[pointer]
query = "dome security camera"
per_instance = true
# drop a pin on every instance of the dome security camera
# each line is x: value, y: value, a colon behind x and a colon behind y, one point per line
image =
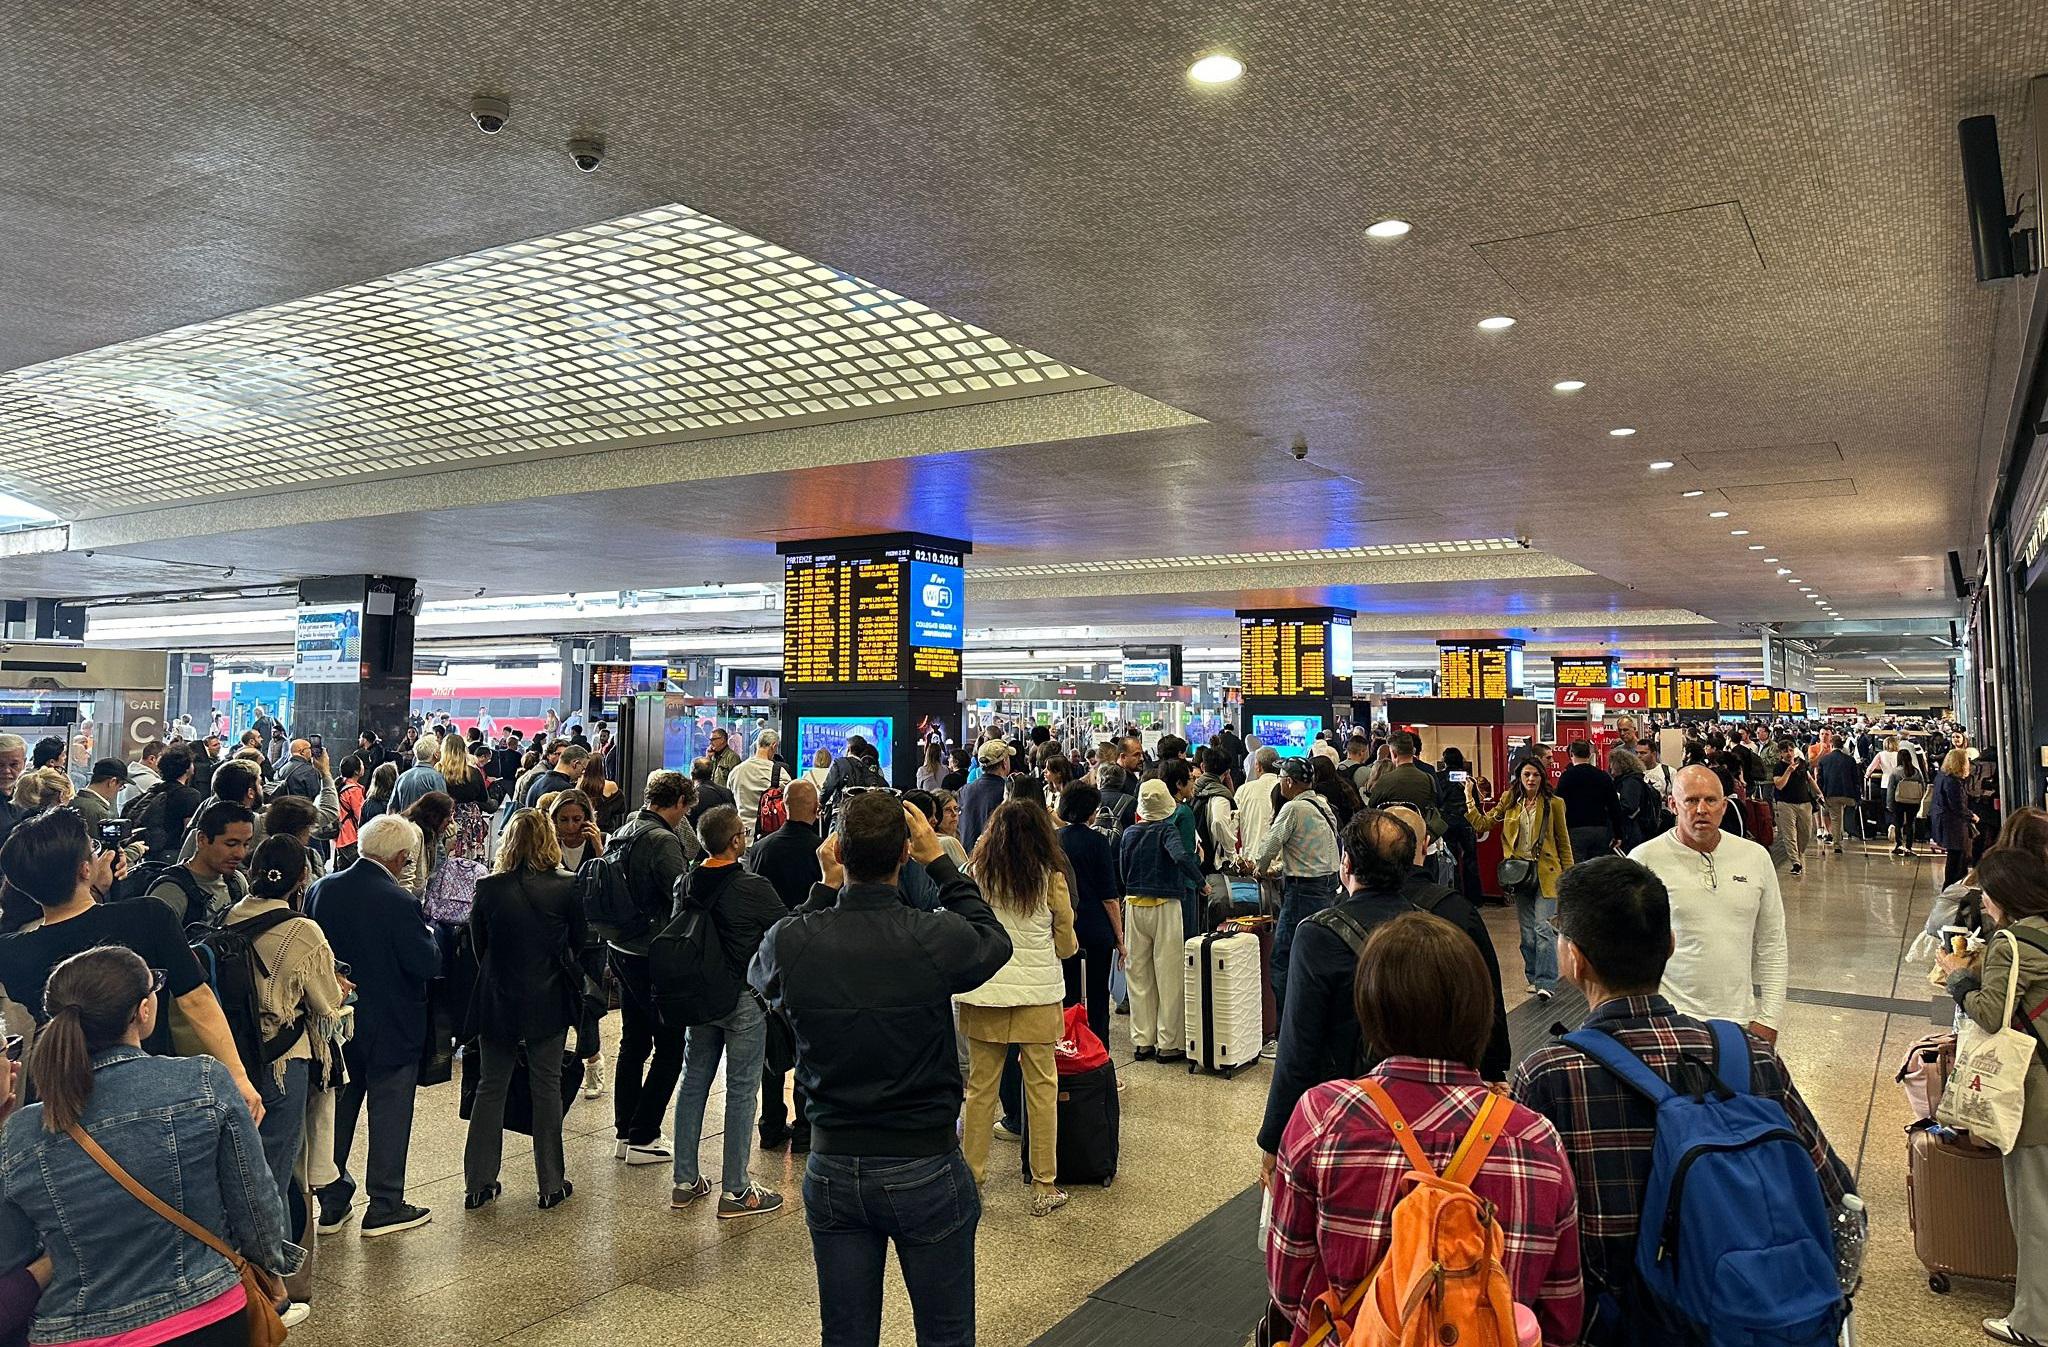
x: 489, y: 114
x: 586, y: 155
x: 1300, y: 447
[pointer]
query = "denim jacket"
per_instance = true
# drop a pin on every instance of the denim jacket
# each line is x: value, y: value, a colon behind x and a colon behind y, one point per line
x: 1156, y: 864
x: 180, y: 1128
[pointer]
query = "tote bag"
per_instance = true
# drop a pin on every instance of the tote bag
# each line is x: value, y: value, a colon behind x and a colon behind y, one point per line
x: 1986, y: 1093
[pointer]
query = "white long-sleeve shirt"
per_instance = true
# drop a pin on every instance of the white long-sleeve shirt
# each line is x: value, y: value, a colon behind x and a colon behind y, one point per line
x: 1254, y: 812
x: 1728, y: 927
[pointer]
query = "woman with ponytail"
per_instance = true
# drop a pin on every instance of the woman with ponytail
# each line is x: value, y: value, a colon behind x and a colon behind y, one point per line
x: 178, y: 1128
x: 298, y: 994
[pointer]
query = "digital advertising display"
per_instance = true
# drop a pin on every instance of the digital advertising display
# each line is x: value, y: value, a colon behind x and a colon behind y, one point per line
x: 832, y: 733
x: 1340, y: 647
x: 1290, y: 736
x: 327, y: 646
x: 1147, y: 673
x: 935, y: 606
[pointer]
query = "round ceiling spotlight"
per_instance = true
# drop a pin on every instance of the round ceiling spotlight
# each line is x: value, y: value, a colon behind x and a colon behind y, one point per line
x: 1567, y: 385
x: 1622, y: 432
x: 1388, y: 229
x: 1500, y: 322
x: 1662, y: 464
x: 1216, y: 68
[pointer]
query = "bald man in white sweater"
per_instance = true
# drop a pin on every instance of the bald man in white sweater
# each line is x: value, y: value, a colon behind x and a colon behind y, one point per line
x: 1727, y: 915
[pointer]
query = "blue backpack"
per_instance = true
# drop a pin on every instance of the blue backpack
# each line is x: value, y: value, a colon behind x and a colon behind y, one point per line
x: 1736, y: 1247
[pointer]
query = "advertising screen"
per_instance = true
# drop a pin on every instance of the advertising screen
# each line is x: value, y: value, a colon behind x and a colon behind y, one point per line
x: 1340, y: 648
x: 832, y: 732
x: 1290, y: 735
x: 1148, y: 673
x: 328, y: 645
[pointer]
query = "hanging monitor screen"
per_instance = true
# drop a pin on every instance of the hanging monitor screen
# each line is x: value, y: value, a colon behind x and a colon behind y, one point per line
x: 1657, y: 687
x: 1735, y: 698
x: 1291, y: 736
x: 1695, y: 693
x: 1491, y: 672
x: 1584, y: 673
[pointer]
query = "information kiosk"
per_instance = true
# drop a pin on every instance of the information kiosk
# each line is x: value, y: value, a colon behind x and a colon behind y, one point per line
x: 872, y: 633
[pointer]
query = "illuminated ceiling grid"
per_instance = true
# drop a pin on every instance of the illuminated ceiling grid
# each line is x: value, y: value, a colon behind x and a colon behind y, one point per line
x: 666, y: 323
x: 1378, y: 552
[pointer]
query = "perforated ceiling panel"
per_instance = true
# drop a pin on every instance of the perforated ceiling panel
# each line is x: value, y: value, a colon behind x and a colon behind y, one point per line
x: 666, y: 324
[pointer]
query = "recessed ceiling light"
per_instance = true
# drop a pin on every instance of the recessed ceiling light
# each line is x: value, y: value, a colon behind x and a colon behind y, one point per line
x: 1388, y: 229
x: 1622, y: 432
x: 1567, y: 385
x: 1738, y: 533
x: 1772, y: 561
x: 1756, y: 547
x: 1783, y: 570
x: 1690, y: 494
x: 1717, y: 514
x: 1216, y: 68
x: 1499, y: 322
x: 1661, y: 464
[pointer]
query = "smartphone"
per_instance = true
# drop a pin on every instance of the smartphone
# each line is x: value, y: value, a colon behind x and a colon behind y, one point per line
x: 1458, y: 778
x: 316, y: 741
x: 112, y: 833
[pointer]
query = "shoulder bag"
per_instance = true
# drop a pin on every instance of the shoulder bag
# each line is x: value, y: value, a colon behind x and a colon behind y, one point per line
x: 263, y: 1287
x: 1517, y: 874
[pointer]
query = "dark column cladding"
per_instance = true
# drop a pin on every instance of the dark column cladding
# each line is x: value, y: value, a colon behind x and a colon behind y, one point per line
x: 379, y: 697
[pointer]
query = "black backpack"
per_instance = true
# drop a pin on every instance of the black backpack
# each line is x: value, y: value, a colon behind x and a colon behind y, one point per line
x: 1111, y: 819
x: 228, y: 960
x: 198, y: 900
x: 687, y: 970
x: 149, y: 822
x: 604, y: 888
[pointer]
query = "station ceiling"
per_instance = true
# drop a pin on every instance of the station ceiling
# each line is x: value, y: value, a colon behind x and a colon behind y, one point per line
x: 273, y: 303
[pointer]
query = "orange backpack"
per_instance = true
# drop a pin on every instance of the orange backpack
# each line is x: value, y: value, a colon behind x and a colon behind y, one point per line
x: 1441, y: 1281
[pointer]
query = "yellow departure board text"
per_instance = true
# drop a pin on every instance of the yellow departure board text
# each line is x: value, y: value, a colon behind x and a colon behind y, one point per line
x: 1583, y: 673
x: 1657, y: 686
x: 1735, y: 697
x: 852, y: 617
x: 1457, y: 672
x: 1695, y: 693
x: 1283, y: 657
x: 1760, y: 697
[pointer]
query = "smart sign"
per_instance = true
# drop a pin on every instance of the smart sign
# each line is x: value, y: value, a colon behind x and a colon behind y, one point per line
x: 871, y: 613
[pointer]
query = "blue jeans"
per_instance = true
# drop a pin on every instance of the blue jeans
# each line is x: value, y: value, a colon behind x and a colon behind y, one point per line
x: 284, y: 1125
x: 1301, y: 897
x: 856, y: 1205
x: 742, y: 1036
x: 1539, y: 940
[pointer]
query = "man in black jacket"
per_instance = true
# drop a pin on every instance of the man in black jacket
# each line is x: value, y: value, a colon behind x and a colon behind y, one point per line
x: 742, y: 906
x: 788, y: 859
x: 1319, y: 1035
x: 868, y: 983
x: 1433, y: 898
x: 1592, y: 806
x: 659, y: 846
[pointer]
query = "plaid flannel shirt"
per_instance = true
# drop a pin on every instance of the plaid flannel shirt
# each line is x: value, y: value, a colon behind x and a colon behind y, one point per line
x: 1608, y: 1129
x: 1340, y: 1172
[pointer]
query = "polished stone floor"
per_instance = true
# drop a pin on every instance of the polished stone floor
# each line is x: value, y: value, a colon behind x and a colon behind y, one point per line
x: 615, y: 1265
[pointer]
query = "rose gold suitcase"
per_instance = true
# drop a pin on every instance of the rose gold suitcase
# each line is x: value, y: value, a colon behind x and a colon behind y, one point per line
x: 1955, y: 1202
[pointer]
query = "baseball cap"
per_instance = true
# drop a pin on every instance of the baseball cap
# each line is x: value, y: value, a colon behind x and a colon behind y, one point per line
x: 993, y: 752
x: 1297, y: 770
x: 110, y: 769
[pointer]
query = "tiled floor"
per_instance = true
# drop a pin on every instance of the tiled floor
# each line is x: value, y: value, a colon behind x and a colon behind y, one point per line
x: 615, y: 1265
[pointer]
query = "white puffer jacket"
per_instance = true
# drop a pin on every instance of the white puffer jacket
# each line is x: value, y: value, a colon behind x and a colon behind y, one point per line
x: 1032, y: 977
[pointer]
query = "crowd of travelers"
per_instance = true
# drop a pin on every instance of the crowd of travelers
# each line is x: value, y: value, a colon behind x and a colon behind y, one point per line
x: 268, y: 944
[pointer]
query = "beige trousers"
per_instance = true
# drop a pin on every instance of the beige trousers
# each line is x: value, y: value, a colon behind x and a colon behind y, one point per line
x: 1041, y: 1106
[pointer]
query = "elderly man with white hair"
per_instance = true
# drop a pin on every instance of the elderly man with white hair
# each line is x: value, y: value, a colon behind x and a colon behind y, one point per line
x: 1727, y: 915
x: 377, y: 929
x: 420, y: 778
x: 755, y: 777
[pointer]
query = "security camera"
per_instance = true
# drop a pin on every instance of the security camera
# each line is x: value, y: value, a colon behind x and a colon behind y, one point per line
x: 1300, y: 447
x: 489, y: 114
x: 586, y: 154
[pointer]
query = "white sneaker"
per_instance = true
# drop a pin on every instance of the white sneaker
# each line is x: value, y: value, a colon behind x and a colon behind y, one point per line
x: 2003, y: 1330
x: 294, y: 1314
x: 593, y: 1077
x: 655, y: 1152
x: 1271, y: 1050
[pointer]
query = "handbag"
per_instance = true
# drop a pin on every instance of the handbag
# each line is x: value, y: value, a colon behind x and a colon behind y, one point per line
x: 262, y: 1286
x: 519, y: 1091
x: 451, y: 892
x: 1517, y: 874
x: 1986, y: 1093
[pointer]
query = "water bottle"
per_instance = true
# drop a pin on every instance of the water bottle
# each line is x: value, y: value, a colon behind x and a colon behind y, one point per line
x: 1852, y: 1233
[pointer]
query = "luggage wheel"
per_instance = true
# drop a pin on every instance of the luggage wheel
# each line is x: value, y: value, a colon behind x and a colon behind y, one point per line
x: 1938, y: 1283
x: 1108, y: 1181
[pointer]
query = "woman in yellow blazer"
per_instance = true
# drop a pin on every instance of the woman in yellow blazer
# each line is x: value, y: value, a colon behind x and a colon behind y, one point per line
x: 1533, y: 838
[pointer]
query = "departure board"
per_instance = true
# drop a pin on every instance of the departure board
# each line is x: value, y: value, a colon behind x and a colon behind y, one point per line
x: 1657, y: 685
x: 1483, y: 672
x: 868, y: 614
x: 1735, y: 698
x: 1798, y: 707
x: 1760, y: 697
x: 1584, y: 673
x: 1695, y: 693
x: 1781, y: 701
x: 1281, y: 656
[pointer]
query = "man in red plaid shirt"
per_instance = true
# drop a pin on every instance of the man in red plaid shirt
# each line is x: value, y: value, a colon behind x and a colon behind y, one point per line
x: 1614, y: 936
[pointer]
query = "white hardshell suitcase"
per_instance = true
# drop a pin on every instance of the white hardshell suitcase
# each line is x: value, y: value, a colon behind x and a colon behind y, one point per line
x: 1225, y: 1027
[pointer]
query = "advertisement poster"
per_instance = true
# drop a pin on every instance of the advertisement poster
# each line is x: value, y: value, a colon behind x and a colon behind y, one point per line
x: 329, y: 645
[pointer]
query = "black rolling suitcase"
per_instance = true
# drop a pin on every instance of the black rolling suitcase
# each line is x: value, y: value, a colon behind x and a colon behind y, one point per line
x: 1090, y: 1120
